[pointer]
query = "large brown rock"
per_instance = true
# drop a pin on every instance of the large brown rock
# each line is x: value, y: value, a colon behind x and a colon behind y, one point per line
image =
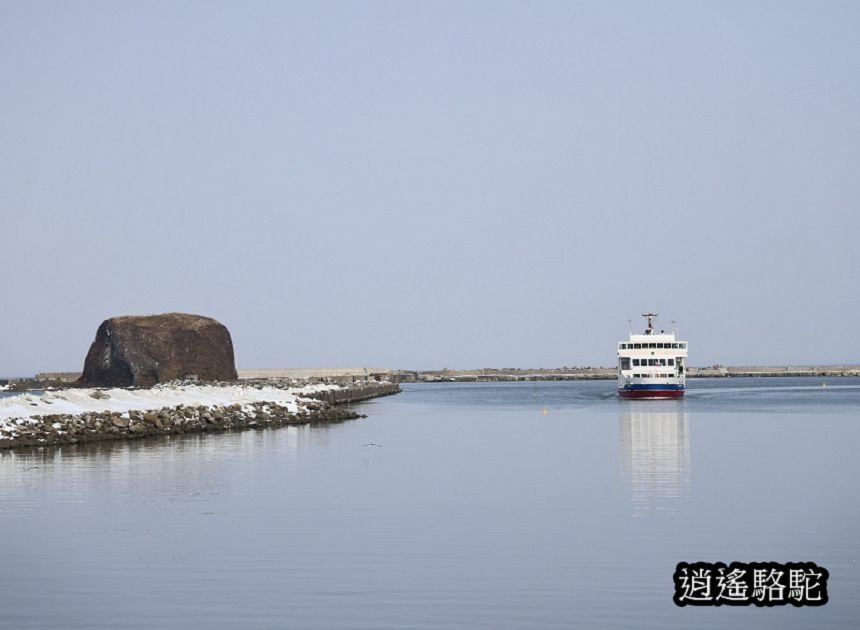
x: 142, y: 351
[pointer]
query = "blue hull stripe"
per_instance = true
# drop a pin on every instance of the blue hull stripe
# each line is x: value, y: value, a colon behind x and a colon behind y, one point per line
x: 664, y: 387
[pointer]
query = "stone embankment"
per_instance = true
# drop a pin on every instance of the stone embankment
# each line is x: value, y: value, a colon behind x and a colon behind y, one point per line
x: 596, y: 373
x: 491, y: 375
x: 315, y: 407
x: 355, y: 393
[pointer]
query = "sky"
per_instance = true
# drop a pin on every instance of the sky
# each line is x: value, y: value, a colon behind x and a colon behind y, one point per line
x: 419, y: 185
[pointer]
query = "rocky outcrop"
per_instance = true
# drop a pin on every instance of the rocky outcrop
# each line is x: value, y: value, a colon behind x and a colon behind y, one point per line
x: 142, y: 351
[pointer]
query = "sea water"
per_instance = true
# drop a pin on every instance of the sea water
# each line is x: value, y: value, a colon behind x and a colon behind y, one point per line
x: 497, y: 505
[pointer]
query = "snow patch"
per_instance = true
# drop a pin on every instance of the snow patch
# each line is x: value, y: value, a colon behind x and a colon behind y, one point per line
x: 21, y: 409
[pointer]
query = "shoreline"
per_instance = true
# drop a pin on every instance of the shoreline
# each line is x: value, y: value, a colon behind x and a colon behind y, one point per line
x: 98, y: 415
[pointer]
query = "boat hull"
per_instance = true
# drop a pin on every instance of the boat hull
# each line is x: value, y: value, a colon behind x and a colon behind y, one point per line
x: 651, y: 391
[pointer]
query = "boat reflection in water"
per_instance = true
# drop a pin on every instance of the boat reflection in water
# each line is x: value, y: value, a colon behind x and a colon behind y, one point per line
x: 655, y: 455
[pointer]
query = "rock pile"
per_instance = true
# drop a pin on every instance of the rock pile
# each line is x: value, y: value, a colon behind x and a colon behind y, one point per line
x: 314, y: 408
x: 94, y: 426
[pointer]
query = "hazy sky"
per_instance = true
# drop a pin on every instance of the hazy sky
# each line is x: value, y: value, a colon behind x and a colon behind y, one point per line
x: 432, y: 184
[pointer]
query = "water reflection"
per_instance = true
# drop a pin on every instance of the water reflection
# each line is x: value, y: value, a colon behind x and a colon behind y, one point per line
x: 655, y: 454
x: 178, y: 470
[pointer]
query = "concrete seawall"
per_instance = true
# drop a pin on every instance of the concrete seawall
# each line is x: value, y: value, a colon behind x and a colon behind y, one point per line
x: 773, y: 370
x: 355, y: 393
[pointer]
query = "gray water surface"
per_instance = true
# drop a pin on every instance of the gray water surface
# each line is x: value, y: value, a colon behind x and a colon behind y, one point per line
x: 504, y: 505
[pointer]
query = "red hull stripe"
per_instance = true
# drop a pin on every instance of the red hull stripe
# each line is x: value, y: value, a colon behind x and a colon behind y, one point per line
x: 651, y: 393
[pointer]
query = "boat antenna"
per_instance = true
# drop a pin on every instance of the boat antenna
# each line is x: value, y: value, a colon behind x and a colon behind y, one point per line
x: 650, y: 316
x: 674, y: 331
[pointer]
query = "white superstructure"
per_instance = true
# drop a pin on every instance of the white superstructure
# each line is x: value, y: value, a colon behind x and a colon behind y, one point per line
x: 652, y: 365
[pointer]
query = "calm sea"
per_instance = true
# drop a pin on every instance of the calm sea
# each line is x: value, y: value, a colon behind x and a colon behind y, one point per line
x: 548, y: 505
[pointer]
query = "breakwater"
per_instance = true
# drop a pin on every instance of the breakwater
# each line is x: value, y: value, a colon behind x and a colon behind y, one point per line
x: 489, y: 375
x: 354, y: 393
x: 305, y: 407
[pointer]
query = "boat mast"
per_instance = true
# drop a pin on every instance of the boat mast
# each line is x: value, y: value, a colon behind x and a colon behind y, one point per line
x: 650, y: 316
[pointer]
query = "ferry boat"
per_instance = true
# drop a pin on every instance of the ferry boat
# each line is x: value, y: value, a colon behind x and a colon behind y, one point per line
x: 652, y: 365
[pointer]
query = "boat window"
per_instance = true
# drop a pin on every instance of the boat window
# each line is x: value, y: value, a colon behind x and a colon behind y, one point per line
x: 652, y: 345
x: 671, y: 361
x: 659, y: 345
x: 674, y: 345
x: 625, y: 363
x: 683, y: 345
x: 637, y: 346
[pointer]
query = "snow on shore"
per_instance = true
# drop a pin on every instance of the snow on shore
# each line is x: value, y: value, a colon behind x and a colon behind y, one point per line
x: 78, y: 401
